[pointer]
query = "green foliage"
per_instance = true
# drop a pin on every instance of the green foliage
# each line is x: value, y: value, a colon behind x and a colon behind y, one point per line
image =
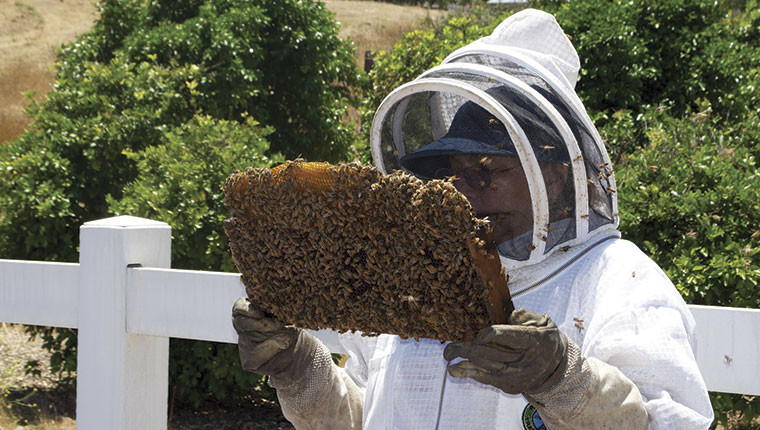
x: 689, y: 199
x: 673, y: 52
x: 180, y: 182
x: 416, y: 52
x: 151, y: 110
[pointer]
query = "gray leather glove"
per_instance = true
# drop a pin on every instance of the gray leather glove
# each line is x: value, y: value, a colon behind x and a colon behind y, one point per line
x: 266, y: 345
x: 528, y: 355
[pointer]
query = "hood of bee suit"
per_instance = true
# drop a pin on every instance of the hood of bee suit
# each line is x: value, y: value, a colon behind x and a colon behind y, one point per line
x: 510, y: 94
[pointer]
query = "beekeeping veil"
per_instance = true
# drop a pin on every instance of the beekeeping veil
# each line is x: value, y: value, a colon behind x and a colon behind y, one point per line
x: 510, y: 94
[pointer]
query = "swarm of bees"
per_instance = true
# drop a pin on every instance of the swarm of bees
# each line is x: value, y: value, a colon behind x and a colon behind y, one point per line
x: 346, y: 248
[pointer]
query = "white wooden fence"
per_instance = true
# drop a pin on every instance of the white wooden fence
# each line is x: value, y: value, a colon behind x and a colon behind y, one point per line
x: 127, y: 303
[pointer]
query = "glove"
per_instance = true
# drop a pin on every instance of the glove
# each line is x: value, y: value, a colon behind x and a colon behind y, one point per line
x: 267, y: 346
x: 528, y: 355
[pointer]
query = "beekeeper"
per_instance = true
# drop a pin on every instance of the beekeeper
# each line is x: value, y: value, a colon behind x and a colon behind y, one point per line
x: 601, y: 338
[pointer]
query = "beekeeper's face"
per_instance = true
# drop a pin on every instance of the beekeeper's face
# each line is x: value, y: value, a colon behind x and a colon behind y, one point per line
x: 495, y: 187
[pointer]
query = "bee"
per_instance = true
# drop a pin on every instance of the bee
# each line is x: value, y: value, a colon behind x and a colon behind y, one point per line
x: 584, y: 216
x: 590, y: 181
x: 484, y: 161
x: 492, y: 186
x: 579, y: 326
x: 633, y: 274
x: 500, y: 145
x: 610, y: 189
x: 577, y: 158
x: 603, y: 165
x: 565, y: 164
x: 492, y: 121
x: 531, y: 247
x: 600, y: 175
x: 547, y: 148
x: 565, y: 248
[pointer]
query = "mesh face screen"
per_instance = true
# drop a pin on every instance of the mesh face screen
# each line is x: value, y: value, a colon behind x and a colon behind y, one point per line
x: 427, y: 110
x: 599, y: 187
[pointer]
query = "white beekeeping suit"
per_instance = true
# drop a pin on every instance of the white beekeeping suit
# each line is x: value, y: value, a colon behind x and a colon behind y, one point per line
x: 509, y: 98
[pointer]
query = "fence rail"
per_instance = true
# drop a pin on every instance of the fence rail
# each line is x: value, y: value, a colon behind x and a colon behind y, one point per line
x: 127, y: 303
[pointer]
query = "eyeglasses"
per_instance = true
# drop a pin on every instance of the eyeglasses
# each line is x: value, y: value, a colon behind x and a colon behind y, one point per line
x: 475, y: 176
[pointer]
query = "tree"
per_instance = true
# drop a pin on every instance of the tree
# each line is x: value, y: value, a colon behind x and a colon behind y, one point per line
x: 173, y: 95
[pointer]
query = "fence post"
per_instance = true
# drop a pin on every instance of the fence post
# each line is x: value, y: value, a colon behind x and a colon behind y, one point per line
x: 122, y: 379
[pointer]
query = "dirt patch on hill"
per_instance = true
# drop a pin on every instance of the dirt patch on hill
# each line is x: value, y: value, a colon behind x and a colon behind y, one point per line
x: 376, y: 26
x: 30, y: 33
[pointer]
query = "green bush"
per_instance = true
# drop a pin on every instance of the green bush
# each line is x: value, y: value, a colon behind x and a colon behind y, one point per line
x: 689, y: 199
x: 153, y: 79
x: 673, y: 52
x: 180, y: 182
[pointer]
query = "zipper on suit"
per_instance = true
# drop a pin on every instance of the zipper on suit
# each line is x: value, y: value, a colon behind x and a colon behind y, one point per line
x: 443, y: 390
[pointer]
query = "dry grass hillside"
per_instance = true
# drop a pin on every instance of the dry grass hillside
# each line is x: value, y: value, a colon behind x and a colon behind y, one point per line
x: 31, y: 30
x: 375, y: 26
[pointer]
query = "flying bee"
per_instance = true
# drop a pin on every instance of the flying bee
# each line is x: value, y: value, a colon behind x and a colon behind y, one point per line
x: 547, y: 148
x: 579, y: 326
x: 584, y: 216
x: 492, y: 121
x: 577, y: 158
x: 590, y: 181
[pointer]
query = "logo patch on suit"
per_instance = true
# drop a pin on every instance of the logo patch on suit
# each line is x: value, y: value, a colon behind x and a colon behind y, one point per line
x: 531, y: 419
